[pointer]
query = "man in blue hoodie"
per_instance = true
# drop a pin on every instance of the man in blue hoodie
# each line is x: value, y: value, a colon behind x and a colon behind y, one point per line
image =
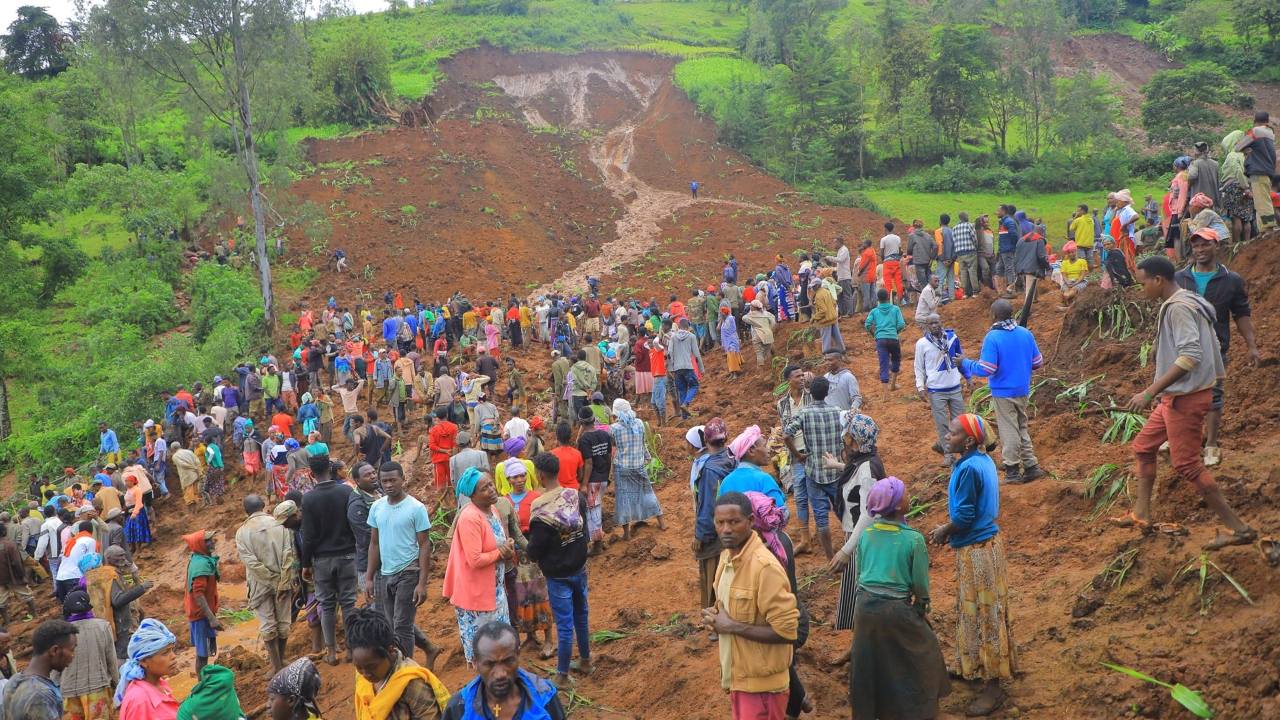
x: 1009, y: 354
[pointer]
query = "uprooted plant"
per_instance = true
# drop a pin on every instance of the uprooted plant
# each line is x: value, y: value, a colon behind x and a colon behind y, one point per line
x: 1112, y: 575
x: 1106, y: 485
x: 1124, y: 426
x: 1188, y: 698
x: 1202, y: 564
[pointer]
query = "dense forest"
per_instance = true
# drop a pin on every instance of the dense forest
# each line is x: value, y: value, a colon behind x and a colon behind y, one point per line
x: 140, y: 124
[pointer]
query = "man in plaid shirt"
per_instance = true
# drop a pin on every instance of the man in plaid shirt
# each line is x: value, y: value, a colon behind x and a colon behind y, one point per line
x: 965, y: 237
x: 820, y: 425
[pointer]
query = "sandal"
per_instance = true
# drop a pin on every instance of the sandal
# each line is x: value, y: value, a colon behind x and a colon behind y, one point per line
x: 1129, y: 520
x: 1171, y: 529
x: 575, y: 665
x: 1270, y: 548
x: 1227, y: 538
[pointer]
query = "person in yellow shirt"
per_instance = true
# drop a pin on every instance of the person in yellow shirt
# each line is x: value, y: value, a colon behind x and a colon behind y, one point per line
x: 1083, y: 231
x: 1070, y: 274
x: 469, y: 321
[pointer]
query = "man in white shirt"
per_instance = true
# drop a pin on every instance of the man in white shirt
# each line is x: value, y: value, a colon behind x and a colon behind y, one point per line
x: 516, y: 427
x: 927, y: 304
x: 69, y: 573
x: 938, y: 378
x: 844, y: 276
x: 160, y: 464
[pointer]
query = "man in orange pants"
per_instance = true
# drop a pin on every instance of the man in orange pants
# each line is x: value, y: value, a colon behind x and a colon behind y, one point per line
x: 891, y: 259
x: 442, y: 440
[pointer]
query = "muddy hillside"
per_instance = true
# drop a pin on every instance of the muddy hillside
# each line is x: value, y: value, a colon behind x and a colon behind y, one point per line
x: 543, y: 169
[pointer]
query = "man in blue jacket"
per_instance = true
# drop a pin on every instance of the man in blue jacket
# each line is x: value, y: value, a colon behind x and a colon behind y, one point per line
x: 1009, y: 354
x: 501, y: 682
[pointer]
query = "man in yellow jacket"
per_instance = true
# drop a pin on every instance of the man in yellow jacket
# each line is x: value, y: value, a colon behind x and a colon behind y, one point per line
x: 825, y: 317
x: 756, y: 617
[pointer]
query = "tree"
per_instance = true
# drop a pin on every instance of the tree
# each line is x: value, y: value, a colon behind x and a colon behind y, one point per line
x: 758, y: 43
x: 1178, y: 108
x: 957, y: 71
x: 903, y: 55
x: 351, y: 75
x: 1089, y: 109
x: 1035, y: 28
x: 234, y: 57
x: 1250, y: 15
x: 1000, y: 99
x: 33, y: 47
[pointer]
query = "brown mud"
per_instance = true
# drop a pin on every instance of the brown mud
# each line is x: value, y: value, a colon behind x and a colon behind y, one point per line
x: 624, y: 146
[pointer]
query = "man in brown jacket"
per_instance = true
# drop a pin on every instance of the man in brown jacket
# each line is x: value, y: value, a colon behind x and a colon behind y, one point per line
x: 825, y: 317
x: 756, y: 616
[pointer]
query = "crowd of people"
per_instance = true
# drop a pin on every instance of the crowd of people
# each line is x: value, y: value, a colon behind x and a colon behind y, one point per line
x: 518, y: 493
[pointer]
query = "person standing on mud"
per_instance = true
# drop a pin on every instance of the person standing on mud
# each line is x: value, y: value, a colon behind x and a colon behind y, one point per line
x: 819, y: 424
x: 938, y: 378
x: 329, y: 552
x: 826, y: 317
x: 757, y: 629
x: 1188, y: 366
x: 1009, y: 354
x: 1225, y: 290
x: 266, y: 549
x: 844, y: 276
x: 693, y: 188
x: 684, y: 357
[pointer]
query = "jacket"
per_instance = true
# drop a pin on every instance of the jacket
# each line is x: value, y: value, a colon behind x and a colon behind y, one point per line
x: 885, y: 320
x: 759, y: 594
x: 1202, y: 177
x: 683, y: 352
x: 705, y: 491
x: 938, y: 371
x: 1030, y: 256
x: 824, y: 309
x: 1007, y: 359
x: 1262, y: 159
x: 470, y: 581
x: 266, y: 549
x: 558, y: 555
x: 1226, y: 293
x: 585, y: 378
x: 1185, y: 337
x: 358, y: 518
x: 325, y: 531
x: 536, y: 695
x: 921, y: 248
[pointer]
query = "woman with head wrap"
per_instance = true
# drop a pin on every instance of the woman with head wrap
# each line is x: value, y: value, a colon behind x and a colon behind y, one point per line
x: 526, y: 586
x: 1236, y: 206
x: 298, y: 468
x: 514, y: 448
x: 315, y: 443
x: 478, y: 556
x: 985, y: 648
x: 308, y: 414
x: 86, y: 684
x: 897, y: 670
x: 291, y: 694
x: 634, y: 500
x: 137, y: 529
x: 729, y: 340
x: 751, y: 450
x: 490, y: 429
x: 143, y: 692
x: 860, y: 468
x: 768, y: 519
x: 1177, y: 206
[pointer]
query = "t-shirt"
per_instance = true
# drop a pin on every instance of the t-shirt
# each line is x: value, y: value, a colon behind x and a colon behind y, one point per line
x: 596, y: 445
x: 398, y: 527
x: 1202, y: 280
x: 658, y: 362
x: 1128, y: 216
x: 516, y: 427
x: 868, y: 262
x: 570, y: 463
x: 1083, y: 229
x: 891, y: 246
x: 1073, y: 270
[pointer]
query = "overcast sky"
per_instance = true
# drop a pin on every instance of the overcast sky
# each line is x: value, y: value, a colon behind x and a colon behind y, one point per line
x: 65, y: 9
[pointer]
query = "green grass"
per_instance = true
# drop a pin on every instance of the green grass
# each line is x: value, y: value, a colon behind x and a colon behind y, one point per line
x: 1055, y: 208
x: 706, y: 73
x: 413, y: 85
x: 92, y: 229
x: 692, y: 23
x: 323, y: 132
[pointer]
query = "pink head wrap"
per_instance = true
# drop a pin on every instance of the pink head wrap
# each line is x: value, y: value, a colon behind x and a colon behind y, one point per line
x: 767, y: 518
x: 743, y: 442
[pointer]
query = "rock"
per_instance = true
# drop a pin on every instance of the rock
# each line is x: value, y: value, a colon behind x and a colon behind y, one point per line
x: 1263, y: 685
x: 1013, y: 712
x: 1086, y: 605
x: 1084, y: 623
x: 661, y: 551
x: 630, y: 617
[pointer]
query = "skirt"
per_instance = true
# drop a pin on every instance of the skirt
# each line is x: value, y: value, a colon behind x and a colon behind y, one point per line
x: 96, y: 705
x: 138, y: 529
x: 215, y: 484
x: 896, y: 670
x: 734, y: 360
x: 984, y: 640
x: 533, y: 607
x: 595, y: 510
x: 252, y: 463
x: 644, y: 382
x: 490, y: 437
x: 633, y: 498
x: 469, y: 621
x: 1234, y: 203
x: 279, y: 479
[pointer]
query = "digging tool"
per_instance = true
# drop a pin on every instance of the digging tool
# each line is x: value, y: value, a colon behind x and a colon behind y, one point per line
x: 1024, y: 316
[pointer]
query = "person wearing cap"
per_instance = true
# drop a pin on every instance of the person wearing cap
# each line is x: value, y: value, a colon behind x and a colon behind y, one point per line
x: 1225, y: 290
x: 1188, y: 363
x: 1260, y: 166
x: 1202, y: 175
x: 825, y: 317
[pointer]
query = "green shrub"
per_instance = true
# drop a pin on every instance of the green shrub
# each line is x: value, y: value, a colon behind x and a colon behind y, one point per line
x: 221, y: 294
x: 124, y: 291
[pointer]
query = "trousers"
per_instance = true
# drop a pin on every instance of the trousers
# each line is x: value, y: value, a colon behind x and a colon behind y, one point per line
x: 568, y: 597
x: 686, y: 386
x: 969, y: 279
x: 889, y: 351
x: 336, y: 585
x: 848, y: 302
x: 1180, y: 420
x: 1015, y: 441
x: 945, y: 406
x: 831, y: 339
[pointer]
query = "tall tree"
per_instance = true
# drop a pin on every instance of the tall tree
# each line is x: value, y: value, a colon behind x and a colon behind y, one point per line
x: 1089, y: 109
x: 1178, y: 109
x: 1036, y: 29
x: 957, y: 70
x: 233, y: 57
x: 33, y: 47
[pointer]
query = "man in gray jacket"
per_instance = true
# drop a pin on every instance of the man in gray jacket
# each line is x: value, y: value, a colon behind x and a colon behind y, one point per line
x: 923, y: 249
x: 1188, y: 364
x: 682, y: 354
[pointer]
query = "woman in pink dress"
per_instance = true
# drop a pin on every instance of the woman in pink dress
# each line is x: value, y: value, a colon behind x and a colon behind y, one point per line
x: 492, y: 336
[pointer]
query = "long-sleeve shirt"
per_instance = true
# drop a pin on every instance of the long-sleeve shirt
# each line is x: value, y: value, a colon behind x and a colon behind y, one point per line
x: 885, y: 320
x: 350, y: 397
x: 937, y: 370
x: 1185, y: 337
x: 108, y: 443
x: 325, y: 531
x: 683, y: 352
x: 94, y: 666
x: 748, y: 477
x: 844, y: 393
x: 965, y: 238
x: 1007, y: 359
x: 266, y: 549
x: 973, y: 499
x: 823, y: 433
x: 706, y: 488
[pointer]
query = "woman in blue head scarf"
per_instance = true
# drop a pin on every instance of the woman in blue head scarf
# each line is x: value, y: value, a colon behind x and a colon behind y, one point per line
x: 143, y: 692
x: 478, y: 557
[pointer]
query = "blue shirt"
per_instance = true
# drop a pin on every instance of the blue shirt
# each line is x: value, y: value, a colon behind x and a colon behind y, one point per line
x: 413, y: 323
x: 1008, y: 357
x: 1008, y: 234
x: 974, y: 499
x: 1202, y: 281
x: 748, y: 477
x: 389, y: 327
x: 103, y: 478
x: 706, y: 489
x: 108, y: 443
x: 398, y: 527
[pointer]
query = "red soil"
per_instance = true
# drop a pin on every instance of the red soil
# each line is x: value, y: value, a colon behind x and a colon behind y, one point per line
x: 649, y: 145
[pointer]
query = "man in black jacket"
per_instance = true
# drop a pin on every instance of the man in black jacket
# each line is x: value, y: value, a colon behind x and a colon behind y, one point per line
x: 1224, y: 289
x: 558, y: 543
x: 329, y: 551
